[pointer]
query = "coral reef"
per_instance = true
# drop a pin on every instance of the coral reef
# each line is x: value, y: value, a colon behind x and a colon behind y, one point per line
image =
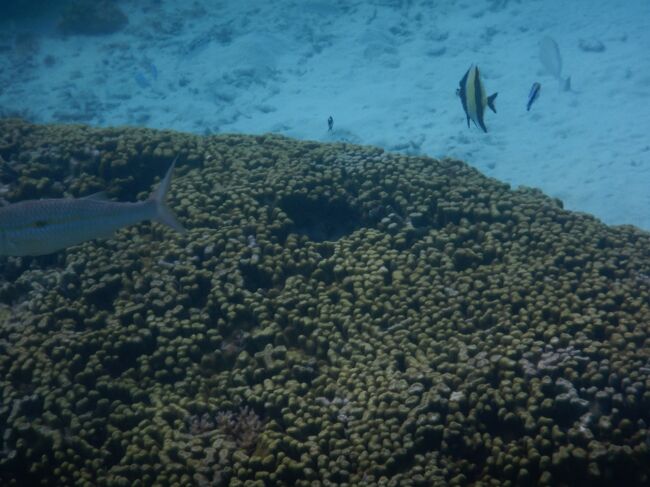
x: 336, y: 315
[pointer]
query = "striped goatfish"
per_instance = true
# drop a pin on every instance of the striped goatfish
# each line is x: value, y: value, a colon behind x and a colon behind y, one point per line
x: 39, y: 227
x: 472, y: 96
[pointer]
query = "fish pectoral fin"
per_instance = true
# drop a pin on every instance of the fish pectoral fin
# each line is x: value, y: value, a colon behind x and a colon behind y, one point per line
x: 490, y: 102
x: 99, y: 196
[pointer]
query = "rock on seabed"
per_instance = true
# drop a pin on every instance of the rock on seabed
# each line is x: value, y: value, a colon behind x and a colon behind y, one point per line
x: 336, y: 315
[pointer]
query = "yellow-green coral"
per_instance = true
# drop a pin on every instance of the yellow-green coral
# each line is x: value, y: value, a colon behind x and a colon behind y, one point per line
x: 390, y: 320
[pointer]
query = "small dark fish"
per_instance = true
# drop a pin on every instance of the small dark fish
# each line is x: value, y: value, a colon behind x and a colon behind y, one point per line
x: 533, y: 95
x: 472, y: 95
x: 330, y: 123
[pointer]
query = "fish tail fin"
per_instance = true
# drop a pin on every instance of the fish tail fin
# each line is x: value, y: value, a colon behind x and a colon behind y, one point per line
x: 163, y: 214
x: 490, y: 102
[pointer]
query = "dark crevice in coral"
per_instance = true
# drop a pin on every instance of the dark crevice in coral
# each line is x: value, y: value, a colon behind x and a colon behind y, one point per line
x: 326, y: 250
x: 255, y: 277
x: 199, y: 295
x: 104, y: 293
x: 321, y: 219
x: 128, y: 353
x: 115, y: 452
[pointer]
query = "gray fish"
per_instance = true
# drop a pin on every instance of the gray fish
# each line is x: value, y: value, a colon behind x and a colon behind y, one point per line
x: 472, y: 96
x: 549, y: 55
x: 39, y: 227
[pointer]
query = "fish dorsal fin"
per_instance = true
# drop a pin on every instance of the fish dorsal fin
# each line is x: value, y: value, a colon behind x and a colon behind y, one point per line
x: 490, y: 102
x: 99, y: 196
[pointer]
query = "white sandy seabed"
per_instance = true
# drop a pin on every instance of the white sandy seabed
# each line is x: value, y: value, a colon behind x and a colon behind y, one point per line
x: 386, y: 71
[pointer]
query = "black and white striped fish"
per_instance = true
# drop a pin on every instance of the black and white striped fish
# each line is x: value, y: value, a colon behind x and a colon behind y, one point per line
x: 472, y: 96
x: 39, y: 227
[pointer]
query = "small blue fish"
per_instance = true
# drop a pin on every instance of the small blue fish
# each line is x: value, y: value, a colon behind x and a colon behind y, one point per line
x: 142, y: 80
x: 153, y: 71
x: 533, y: 95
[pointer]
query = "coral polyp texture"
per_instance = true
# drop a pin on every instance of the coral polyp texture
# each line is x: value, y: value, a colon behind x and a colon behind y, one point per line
x: 335, y: 315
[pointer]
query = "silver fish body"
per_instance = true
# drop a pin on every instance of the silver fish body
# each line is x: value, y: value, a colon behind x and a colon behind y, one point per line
x: 549, y: 55
x: 40, y: 227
